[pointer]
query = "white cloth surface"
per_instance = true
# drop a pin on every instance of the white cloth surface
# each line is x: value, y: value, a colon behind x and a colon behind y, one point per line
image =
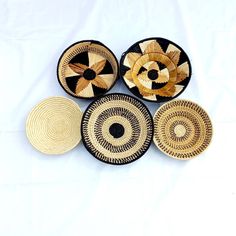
x: 75, y: 194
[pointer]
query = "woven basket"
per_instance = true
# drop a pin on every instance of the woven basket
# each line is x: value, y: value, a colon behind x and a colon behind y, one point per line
x: 155, y: 69
x: 117, y: 129
x: 87, y: 69
x: 53, y: 126
x: 182, y: 129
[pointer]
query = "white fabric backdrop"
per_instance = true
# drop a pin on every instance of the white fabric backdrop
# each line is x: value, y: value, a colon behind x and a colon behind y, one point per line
x: 75, y: 194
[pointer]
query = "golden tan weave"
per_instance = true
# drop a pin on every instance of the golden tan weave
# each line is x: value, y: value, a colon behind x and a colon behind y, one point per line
x: 53, y: 126
x: 155, y: 69
x: 182, y: 129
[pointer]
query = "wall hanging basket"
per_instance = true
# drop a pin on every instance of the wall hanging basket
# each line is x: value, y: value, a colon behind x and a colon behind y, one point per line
x: 155, y: 69
x: 182, y: 129
x: 53, y: 126
x: 87, y: 69
x: 117, y: 129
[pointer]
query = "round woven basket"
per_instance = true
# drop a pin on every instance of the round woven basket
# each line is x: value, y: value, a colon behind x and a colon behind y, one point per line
x: 117, y: 129
x: 53, y: 126
x: 155, y: 69
x: 182, y: 129
x: 87, y: 69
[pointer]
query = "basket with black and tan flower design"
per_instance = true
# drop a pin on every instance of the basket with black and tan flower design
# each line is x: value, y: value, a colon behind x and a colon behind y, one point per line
x: 155, y: 69
x: 87, y: 69
x: 117, y: 128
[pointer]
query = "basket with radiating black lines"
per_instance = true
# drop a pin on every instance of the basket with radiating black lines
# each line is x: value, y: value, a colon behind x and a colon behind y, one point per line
x: 182, y: 129
x: 117, y: 129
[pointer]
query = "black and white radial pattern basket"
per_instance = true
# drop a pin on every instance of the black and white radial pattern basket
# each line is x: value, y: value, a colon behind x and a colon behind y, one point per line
x: 155, y: 69
x: 117, y: 128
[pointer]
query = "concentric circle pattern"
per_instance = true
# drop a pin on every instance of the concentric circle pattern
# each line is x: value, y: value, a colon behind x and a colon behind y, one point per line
x: 155, y: 69
x: 117, y: 129
x: 182, y: 129
x: 53, y: 126
x: 87, y: 69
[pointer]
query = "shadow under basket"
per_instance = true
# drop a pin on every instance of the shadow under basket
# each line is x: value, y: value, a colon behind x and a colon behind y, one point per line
x: 87, y: 69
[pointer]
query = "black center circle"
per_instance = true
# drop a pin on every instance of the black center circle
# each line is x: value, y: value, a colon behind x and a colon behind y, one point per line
x: 153, y: 74
x: 116, y: 130
x: 89, y: 74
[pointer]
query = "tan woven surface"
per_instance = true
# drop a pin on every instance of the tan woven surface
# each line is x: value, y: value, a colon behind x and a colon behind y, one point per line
x: 128, y: 113
x: 96, y: 54
x: 53, y: 125
x: 182, y: 129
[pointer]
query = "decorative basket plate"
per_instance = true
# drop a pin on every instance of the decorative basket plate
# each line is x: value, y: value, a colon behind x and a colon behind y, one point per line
x: 182, y: 129
x: 87, y: 69
x: 117, y: 128
x: 53, y: 126
x: 155, y: 69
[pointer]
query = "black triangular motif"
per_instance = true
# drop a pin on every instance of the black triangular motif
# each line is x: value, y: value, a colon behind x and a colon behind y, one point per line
x: 135, y: 91
x: 81, y: 58
x: 158, y: 85
x: 142, y: 69
x: 162, y: 99
x: 107, y: 68
x: 72, y: 81
x: 163, y: 43
x: 184, y: 82
x: 98, y: 91
x: 161, y: 65
x: 136, y: 48
x: 123, y: 69
x: 182, y: 58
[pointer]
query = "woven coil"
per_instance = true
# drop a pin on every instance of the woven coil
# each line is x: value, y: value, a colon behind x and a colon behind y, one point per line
x: 53, y: 126
x: 155, y: 69
x: 81, y: 57
x: 182, y: 129
x: 117, y: 129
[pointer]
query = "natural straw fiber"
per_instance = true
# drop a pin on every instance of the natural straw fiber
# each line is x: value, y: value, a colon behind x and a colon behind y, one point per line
x: 117, y: 129
x: 155, y: 69
x: 87, y: 69
x: 53, y: 126
x: 182, y: 129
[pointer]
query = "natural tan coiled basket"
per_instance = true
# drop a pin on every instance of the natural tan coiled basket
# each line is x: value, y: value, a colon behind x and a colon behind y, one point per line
x: 53, y: 126
x: 182, y: 129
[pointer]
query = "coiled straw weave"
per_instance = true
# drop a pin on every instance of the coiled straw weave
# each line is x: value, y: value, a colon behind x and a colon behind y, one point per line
x: 117, y: 129
x: 53, y: 126
x: 182, y: 129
